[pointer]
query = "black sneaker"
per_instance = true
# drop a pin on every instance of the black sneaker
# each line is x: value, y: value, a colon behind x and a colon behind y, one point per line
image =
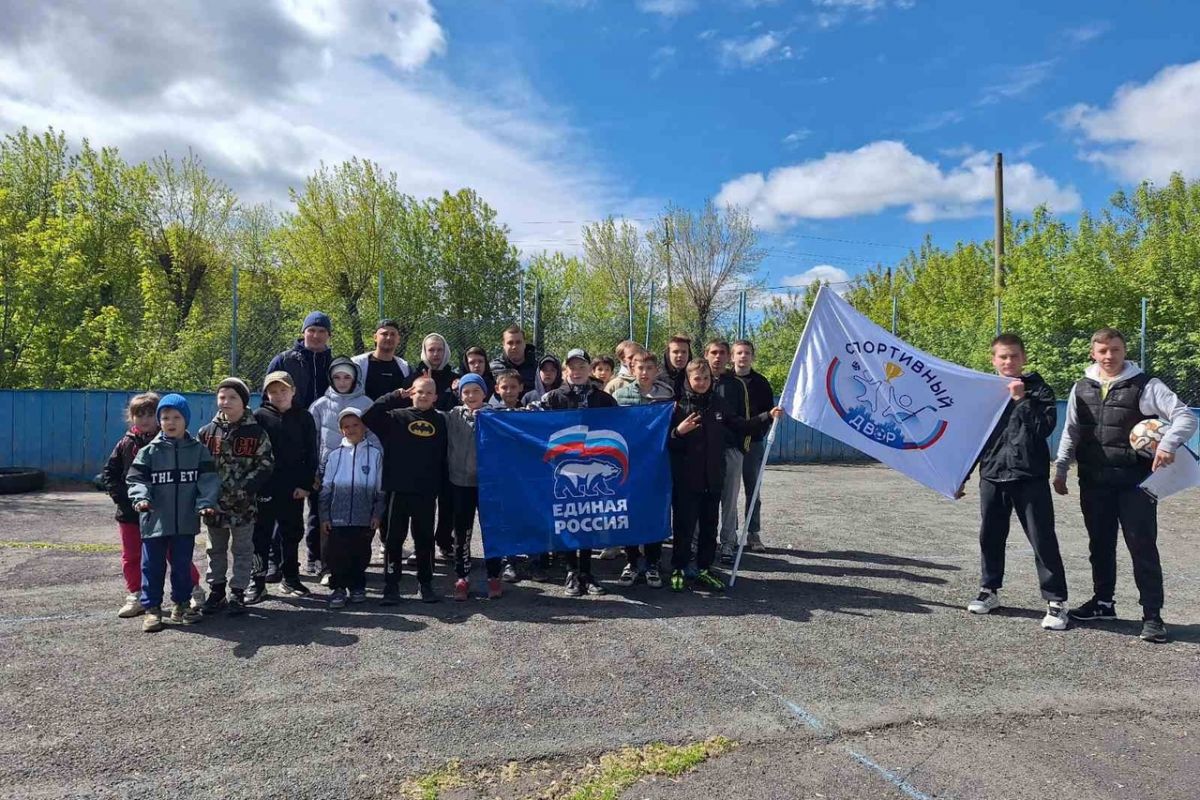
x: 509, y: 573
x: 428, y: 595
x: 274, y: 574
x: 215, y: 602
x: 293, y: 587
x: 391, y: 596
x: 592, y: 586
x: 1095, y: 609
x: 709, y: 582
x: 312, y: 568
x: 1153, y: 630
x: 572, y: 587
x: 256, y: 593
x: 237, y: 602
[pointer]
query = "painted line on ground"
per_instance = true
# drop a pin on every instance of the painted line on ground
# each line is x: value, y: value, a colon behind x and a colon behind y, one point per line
x: 810, y: 720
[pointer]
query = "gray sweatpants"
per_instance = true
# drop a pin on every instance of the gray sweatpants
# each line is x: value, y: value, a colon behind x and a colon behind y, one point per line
x: 218, y: 554
x: 730, y: 490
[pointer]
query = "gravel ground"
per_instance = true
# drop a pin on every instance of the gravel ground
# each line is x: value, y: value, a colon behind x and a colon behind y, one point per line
x: 842, y: 661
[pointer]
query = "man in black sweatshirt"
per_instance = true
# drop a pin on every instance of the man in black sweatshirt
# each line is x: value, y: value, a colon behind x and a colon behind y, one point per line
x: 414, y: 468
x: 760, y: 398
x: 279, y: 527
x: 1014, y: 474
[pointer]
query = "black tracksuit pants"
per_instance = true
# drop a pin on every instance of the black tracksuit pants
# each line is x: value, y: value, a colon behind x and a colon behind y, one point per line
x: 347, y: 555
x: 280, y: 518
x: 688, y: 508
x: 466, y: 501
x: 443, y: 534
x: 1031, y: 501
x: 405, y: 510
x: 312, y: 529
x: 579, y: 561
x: 1104, y: 508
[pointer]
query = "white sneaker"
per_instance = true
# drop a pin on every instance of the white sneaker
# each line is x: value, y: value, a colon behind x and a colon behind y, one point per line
x: 1056, y: 617
x: 198, y: 598
x: 325, y: 578
x: 132, y: 607
x: 609, y: 553
x: 985, y: 602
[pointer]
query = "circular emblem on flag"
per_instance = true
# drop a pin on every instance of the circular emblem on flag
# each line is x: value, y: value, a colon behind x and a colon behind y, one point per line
x: 885, y: 402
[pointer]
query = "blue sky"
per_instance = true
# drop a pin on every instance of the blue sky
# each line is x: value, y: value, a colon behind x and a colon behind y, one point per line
x: 858, y: 120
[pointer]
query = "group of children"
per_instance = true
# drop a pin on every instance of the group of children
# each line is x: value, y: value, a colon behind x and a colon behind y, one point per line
x: 400, y: 464
x: 1113, y: 396
x: 393, y: 452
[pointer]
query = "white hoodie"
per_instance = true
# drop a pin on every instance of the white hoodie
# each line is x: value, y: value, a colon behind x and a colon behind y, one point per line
x: 1156, y: 401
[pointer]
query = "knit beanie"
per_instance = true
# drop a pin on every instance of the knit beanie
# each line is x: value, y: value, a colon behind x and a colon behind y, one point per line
x: 316, y: 319
x: 177, y: 402
x: 239, y: 386
x: 471, y: 379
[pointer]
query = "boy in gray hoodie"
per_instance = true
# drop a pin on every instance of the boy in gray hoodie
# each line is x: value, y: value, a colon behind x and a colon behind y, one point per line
x: 172, y: 480
x: 464, y: 481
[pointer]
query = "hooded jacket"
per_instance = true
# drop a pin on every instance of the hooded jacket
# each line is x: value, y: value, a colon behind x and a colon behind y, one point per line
x: 496, y: 403
x: 325, y: 410
x: 352, y: 484
x: 540, y: 387
x: 698, y: 458
x: 570, y: 396
x: 1018, y: 449
x: 528, y: 368
x: 443, y: 375
x: 179, y: 479
x: 1100, y: 415
x: 623, y: 378
x: 309, y: 371
x: 294, y: 443
x: 244, y: 461
x: 117, y: 467
x: 414, y: 445
x: 737, y: 398
x: 461, y: 455
x: 488, y: 376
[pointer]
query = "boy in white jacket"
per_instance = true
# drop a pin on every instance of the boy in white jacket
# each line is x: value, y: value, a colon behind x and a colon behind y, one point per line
x: 351, y: 503
x: 1113, y: 396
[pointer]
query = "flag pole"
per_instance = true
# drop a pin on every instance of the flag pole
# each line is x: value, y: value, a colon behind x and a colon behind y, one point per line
x: 737, y: 561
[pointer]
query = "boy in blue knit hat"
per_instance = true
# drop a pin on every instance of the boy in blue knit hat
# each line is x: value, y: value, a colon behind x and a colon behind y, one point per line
x: 171, y: 481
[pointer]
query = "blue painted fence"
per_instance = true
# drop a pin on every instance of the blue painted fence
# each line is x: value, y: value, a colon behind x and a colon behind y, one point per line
x: 70, y: 433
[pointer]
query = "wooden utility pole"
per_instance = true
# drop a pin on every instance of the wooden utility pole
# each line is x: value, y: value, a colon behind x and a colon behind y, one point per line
x: 998, y: 248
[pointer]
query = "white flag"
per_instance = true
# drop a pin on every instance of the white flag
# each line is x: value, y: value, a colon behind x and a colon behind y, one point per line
x: 856, y: 382
x: 1182, y: 473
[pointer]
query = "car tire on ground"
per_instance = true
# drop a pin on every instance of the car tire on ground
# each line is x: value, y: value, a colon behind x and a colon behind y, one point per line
x: 14, y: 480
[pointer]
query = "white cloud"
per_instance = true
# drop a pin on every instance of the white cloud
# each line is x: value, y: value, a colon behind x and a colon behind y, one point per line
x: 1148, y: 130
x: 264, y: 93
x: 1087, y: 32
x: 1018, y: 81
x: 832, y: 13
x: 793, y: 286
x: 797, y: 136
x: 666, y: 8
x: 883, y: 175
x: 661, y: 59
x: 749, y: 52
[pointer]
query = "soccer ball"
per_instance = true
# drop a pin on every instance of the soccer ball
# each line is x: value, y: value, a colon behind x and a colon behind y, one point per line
x: 1146, y: 435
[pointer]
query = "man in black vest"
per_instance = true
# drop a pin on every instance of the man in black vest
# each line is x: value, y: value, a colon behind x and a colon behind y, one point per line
x: 1113, y: 396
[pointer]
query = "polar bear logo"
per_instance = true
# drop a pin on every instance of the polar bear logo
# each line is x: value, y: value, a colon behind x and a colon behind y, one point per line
x: 574, y: 479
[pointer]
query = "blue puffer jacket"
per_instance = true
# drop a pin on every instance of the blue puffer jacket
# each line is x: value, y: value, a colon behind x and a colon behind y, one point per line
x: 178, y: 477
x: 309, y: 371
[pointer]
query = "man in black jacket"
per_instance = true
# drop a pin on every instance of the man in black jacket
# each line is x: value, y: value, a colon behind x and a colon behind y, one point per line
x: 414, y: 468
x: 307, y: 362
x: 1014, y: 473
x: 518, y: 356
x: 760, y: 398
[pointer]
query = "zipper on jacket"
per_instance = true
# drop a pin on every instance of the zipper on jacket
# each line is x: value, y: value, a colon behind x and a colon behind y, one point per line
x: 177, y: 478
x: 353, y: 459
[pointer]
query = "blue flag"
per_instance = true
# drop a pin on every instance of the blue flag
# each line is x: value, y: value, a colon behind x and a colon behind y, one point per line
x: 571, y: 480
